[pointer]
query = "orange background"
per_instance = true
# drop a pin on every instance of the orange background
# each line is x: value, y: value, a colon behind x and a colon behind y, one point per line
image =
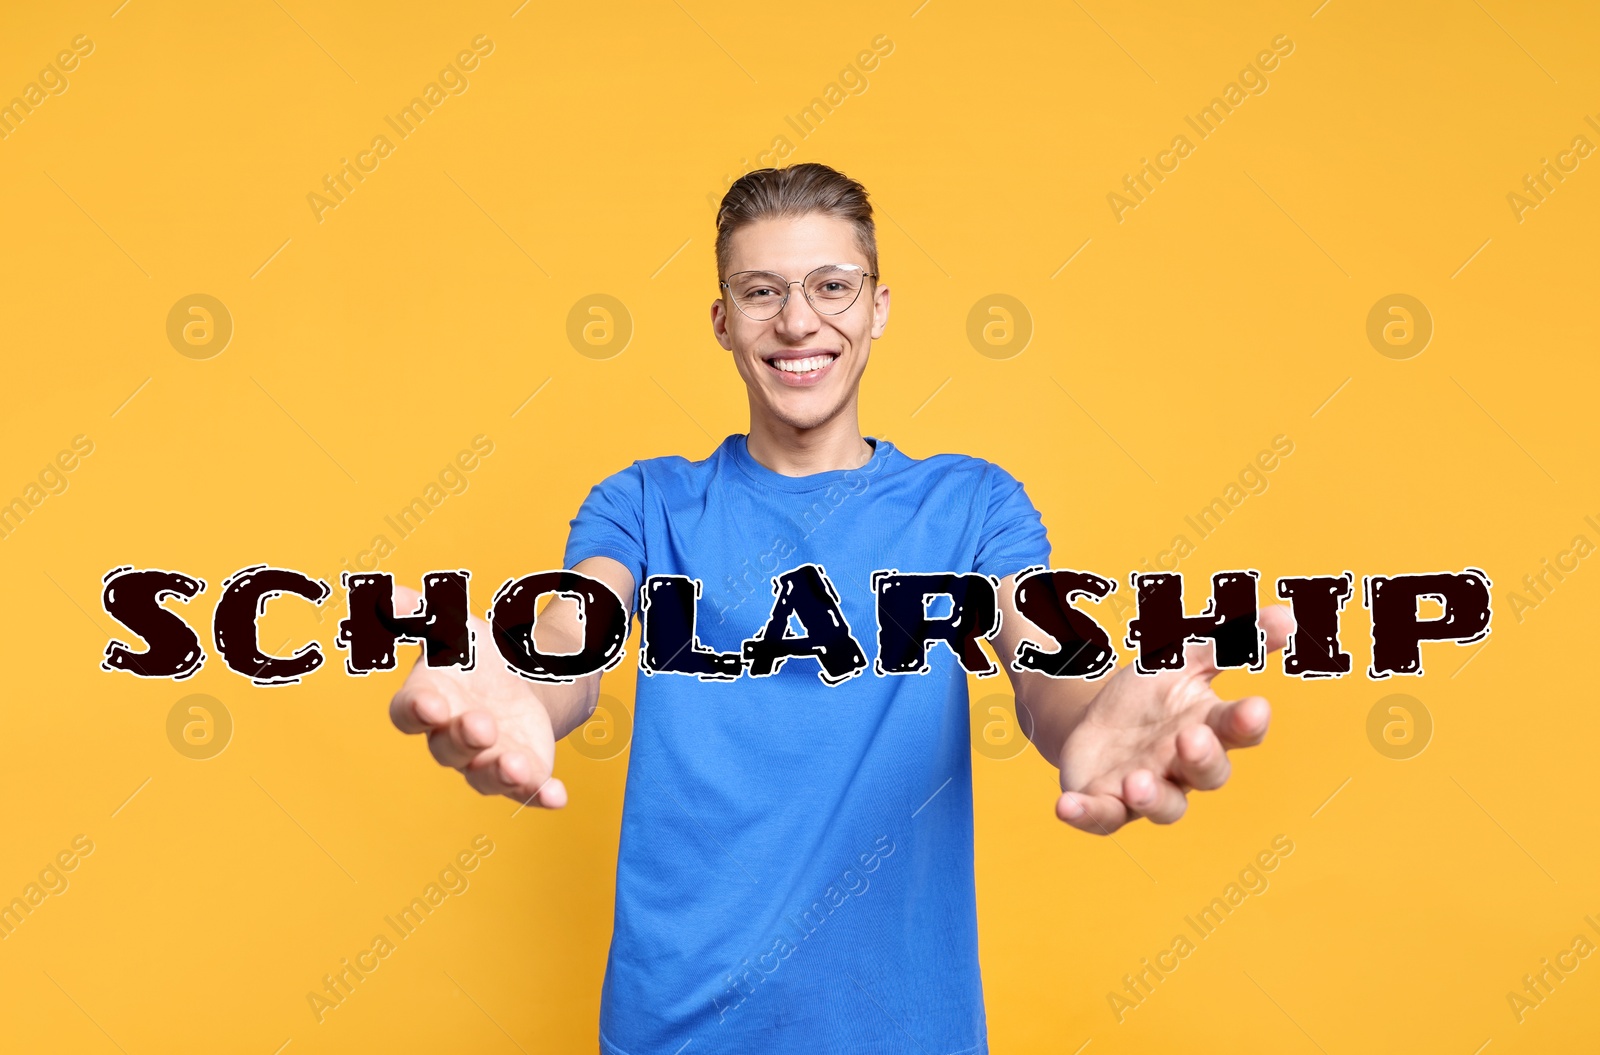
x: 1167, y: 347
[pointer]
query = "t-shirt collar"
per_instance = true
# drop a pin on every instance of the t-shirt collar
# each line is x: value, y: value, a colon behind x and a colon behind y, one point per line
x: 739, y: 451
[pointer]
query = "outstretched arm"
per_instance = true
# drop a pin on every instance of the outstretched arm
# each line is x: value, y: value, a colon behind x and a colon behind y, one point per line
x: 496, y: 727
x: 1132, y: 746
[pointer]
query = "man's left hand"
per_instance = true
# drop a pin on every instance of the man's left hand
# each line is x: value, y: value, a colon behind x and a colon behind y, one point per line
x: 1144, y: 742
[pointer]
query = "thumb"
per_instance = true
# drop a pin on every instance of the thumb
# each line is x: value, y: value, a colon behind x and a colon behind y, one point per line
x: 403, y: 602
x: 406, y: 600
x: 553, y: 795
x: 531, y: 784
x: 1278, y: 621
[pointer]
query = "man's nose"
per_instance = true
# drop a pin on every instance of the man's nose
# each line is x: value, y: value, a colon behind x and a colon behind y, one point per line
x: 798, y: 316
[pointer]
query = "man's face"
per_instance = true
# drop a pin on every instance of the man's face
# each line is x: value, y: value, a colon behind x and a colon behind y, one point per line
x: 793, y: 248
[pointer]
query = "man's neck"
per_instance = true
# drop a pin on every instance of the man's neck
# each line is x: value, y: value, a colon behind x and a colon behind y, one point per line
x: 835, y: 444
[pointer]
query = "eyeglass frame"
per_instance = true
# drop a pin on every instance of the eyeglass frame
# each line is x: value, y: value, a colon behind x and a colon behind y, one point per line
x: 789, y: 292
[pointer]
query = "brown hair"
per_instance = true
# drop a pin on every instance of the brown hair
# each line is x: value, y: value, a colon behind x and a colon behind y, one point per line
x: 772, y: 193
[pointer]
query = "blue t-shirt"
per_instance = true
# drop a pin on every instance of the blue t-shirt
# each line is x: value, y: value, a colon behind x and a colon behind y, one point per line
x: 795, y: 872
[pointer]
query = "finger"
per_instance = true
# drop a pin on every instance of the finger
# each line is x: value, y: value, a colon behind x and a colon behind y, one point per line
x: 463, y: 739
x: 406, y: 600
x: 498, y: 770
x: 1240, y: 723
x: 1149, y: 796
x: 516, y: 775
x: 418, y: 709
x: 1200, y: 659
x: 486, y: 775
x: 402, y: 601
x: 1095, y: 814
x: 551, y: 795
x: 1278, y: 622
x: 1201, y: 762
x: 530, y: 782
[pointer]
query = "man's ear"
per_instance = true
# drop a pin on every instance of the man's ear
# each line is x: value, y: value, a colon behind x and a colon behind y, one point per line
x: 719, y: 324
x: 880, y: 311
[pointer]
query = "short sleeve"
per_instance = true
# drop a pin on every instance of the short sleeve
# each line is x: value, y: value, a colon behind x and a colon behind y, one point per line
x: 610, y: 523
x: 1013, y: 536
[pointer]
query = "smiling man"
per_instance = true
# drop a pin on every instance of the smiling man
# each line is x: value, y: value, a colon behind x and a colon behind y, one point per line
x: 795, y: 871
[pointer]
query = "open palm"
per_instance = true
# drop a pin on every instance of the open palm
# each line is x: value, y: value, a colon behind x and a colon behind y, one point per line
x: 486, y: 722
x: 1145, y: 741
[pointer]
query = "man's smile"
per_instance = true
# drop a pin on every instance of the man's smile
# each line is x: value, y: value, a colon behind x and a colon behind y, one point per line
x: 801, y: 367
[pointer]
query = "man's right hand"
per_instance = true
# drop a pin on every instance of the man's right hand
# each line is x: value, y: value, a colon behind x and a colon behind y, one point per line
x: 486, y: 722
x: 497, y: 728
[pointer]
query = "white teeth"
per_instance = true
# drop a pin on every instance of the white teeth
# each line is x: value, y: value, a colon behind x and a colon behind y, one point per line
x: 802, y: 366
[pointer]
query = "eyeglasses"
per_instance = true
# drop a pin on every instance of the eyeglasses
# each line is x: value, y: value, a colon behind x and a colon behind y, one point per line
x: 830, y: 289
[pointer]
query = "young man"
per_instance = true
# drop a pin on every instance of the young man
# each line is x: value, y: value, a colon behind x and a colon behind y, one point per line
x: 796, y: 863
